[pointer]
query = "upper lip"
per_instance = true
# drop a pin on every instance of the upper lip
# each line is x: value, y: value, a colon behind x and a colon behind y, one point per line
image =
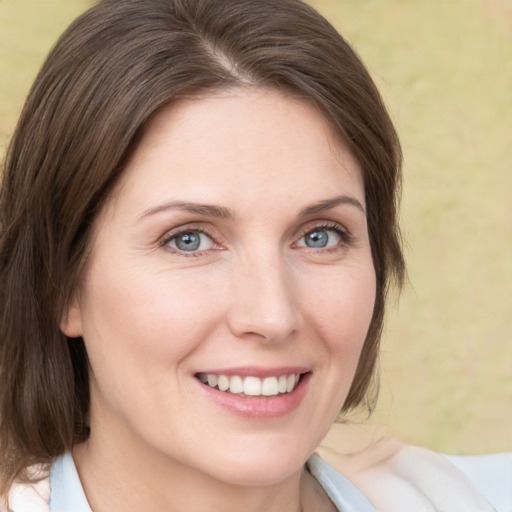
x: 257, y: 371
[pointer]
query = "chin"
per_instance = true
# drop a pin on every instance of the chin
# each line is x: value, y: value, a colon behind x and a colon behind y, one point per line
x: 260, y: 475
x: 259, y: 467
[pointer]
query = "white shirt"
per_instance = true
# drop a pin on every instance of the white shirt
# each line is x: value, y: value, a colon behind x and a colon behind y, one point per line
x: 411, y: 480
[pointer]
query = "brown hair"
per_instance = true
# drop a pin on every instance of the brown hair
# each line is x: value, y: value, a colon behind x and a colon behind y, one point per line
x: 113, y: 68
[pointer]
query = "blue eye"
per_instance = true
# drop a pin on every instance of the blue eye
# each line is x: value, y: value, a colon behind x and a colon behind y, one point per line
x: 190, y: 241
x: 320, y: 238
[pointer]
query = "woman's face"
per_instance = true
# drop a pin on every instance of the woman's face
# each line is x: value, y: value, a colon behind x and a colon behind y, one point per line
x: 235, y: 251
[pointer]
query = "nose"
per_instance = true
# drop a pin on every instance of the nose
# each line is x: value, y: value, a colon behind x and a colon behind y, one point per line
x: 263, y: 304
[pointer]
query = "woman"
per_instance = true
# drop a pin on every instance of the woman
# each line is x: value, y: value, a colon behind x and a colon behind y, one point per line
x: 199, y: 228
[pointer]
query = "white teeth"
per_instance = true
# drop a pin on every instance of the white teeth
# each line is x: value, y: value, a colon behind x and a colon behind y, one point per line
x: 281, y: 387
x: 290, y: 382
x: 223, y: 382
x: 236, y: 385
x: 212, y: 380
x: 269, y: 386
x: 251, y: 386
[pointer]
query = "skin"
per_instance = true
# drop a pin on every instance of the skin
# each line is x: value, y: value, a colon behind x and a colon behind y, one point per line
x: 254, y: 294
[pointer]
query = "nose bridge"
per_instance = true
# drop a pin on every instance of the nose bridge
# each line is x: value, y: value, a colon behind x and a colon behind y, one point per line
x: 264, y: 299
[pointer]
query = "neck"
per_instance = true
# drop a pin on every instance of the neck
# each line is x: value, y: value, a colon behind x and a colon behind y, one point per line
x: 130, y: 481
x: 120, y: 470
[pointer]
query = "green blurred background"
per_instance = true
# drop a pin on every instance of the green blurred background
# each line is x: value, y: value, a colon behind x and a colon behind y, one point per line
x: 445, y: 71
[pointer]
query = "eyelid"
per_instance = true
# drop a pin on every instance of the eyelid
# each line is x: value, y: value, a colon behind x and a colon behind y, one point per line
x: 344, y: 234
x: 173, y: 233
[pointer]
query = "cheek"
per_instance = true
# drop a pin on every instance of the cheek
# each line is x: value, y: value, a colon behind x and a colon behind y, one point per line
x: 339, y: 314
x: 136, y: 321
x: 341, y: 307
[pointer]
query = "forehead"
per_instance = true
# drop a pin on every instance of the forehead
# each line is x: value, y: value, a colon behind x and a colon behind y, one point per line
x: 237, y: 143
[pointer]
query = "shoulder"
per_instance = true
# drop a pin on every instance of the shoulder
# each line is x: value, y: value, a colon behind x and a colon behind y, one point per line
x: 490, y: 474
x: 29, y: 496
x: 397, y: 477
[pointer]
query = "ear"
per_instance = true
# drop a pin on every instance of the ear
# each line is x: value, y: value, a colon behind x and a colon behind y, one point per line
x: 71, y: 321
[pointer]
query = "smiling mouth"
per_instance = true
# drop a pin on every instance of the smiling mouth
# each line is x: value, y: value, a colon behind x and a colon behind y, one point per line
x: 251, y: 386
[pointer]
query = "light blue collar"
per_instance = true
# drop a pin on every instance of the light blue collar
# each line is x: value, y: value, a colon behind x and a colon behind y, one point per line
x: 343, y: 493
x: 66, y: 491
x: 67, y: 494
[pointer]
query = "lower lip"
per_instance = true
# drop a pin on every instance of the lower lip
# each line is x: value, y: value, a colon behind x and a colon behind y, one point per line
x: 262, y: 407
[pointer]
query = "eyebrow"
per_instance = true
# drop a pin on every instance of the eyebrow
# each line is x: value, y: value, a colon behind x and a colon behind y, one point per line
x: 221, y: 212
x: 208, y: 210
x: 329, y: 204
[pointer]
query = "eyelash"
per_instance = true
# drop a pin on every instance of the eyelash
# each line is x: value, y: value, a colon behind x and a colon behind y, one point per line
x: 176, y: 234
x: 346, y: 238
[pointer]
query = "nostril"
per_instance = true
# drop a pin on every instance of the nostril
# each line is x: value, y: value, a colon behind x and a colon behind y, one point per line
x: 263, y: 305
x: 257, y: 324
